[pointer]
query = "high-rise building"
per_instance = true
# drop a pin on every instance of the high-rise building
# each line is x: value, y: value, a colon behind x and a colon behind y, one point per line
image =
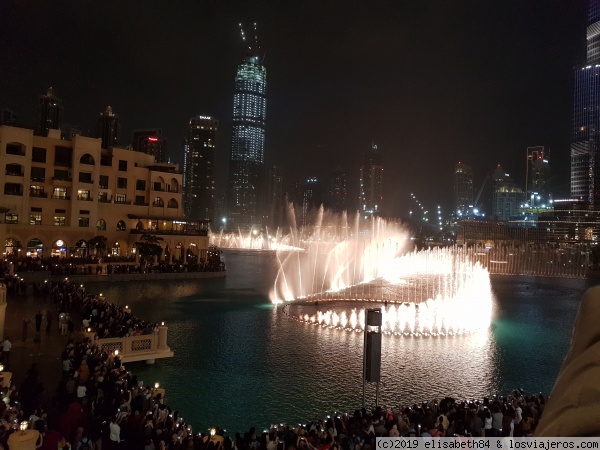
x: 199, y: 190
x: 48, y: 114
x: 108, y: 128
x: 463, y: 189
x: 538, y: 189
x: 585, y: 157
x: 371, y: 183
x: 150, y: 141
x: 507, y: 197
x: 338, y: 193
x: 275, y: 198
x: 247, y: 165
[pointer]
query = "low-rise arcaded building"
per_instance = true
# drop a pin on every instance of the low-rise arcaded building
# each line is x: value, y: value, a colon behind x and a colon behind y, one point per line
x: 58, y: 194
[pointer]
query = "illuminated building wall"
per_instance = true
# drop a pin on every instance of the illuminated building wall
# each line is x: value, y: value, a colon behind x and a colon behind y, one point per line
x: 56, y: 195
x: 247, y: 165
x: 585, y: 164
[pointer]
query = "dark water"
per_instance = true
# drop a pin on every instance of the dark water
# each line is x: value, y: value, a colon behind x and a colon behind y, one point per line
x: 239, y: 362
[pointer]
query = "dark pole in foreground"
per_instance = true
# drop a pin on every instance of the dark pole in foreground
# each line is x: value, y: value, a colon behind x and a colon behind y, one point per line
x: 372, y: 350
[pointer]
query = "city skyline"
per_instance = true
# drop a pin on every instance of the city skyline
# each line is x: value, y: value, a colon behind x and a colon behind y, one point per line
x: 482, y: 96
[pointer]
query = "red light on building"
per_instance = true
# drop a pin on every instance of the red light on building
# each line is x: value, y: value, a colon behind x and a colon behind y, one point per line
x: 152, y: 139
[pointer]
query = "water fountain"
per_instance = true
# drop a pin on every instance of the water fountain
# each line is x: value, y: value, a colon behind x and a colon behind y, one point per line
x: 424, y: 293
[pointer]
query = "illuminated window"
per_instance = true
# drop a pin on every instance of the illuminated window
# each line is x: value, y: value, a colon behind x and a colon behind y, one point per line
x: 35, y: 219
x: 60, y: 221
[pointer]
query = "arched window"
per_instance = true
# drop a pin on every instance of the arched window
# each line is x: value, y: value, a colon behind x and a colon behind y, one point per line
x: 121, y: 226
x: 101, y: 224
x: 35, y: 248
x: 15, y: 148
x: 87, y: 159
x: 174, y: 185
x: 172, y: 203
x: 158, y: 202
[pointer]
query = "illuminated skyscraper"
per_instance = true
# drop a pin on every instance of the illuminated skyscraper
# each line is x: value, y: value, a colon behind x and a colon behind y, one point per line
x: 199, y: 190
x: 585, y: 146
x: 247, y: 165
x: 49, y: 113
x: 463, y: 189
x: 371, y: 183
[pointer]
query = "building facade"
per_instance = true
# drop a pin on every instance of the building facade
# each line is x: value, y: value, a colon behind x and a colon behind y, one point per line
x: 199, y: 168
x: 247, y: 165
x: 585, y: 163
x: 463, y: 189
x: 56, y: 195
x: 371, y: 183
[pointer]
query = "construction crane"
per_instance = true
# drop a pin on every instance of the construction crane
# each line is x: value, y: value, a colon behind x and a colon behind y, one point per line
x: 476, y: 202
x: 256, y: 47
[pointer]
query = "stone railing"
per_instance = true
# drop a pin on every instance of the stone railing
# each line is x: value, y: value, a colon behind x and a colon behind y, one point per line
x: 145, y: 347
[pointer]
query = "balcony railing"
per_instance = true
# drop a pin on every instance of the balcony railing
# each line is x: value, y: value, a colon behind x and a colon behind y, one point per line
x: 61, y: 197
x: 140, y: 204
x: 38, y: 179
x: 67, y: 179
x: 13, y: 193
x: 122, y: 202
x: 85, y: 199
x: 86, y: 181
x: 38, y: 194
x: 13, y: 173
x: 104, y: 199
x: 103, y: 186
x: 158, y: 205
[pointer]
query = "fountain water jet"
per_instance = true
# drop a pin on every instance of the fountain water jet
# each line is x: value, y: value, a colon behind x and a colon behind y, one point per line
x: 433, y: 292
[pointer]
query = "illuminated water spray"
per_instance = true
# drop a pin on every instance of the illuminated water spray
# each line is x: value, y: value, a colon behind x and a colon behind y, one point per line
x: 424, y: 293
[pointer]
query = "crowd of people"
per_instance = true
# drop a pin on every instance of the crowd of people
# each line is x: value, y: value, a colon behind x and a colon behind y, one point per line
x: 91, y: 265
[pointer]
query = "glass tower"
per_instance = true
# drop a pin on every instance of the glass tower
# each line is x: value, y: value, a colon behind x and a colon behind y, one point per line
x: 247, y: 165
x: 585, y: 163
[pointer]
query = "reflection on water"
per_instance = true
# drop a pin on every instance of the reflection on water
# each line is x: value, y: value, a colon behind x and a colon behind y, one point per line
x: 240, y: 362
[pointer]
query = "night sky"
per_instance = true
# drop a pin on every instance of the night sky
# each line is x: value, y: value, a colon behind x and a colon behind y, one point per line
x: 431, y: 82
